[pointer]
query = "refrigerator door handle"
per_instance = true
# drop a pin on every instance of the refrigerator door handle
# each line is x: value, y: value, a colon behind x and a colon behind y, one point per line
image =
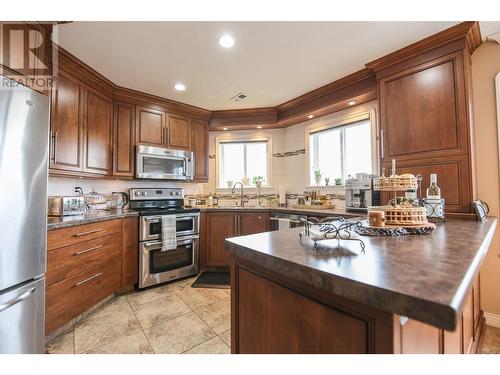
x: 16, y: 300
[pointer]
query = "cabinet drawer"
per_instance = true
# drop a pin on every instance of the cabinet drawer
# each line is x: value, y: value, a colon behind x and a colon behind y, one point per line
x: 69, y: 236
x: 71, y: 260
x: 69, y: 298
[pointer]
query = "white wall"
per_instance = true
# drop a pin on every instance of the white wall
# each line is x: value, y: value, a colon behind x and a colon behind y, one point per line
x: 288, y: 171
x: 66, y: 186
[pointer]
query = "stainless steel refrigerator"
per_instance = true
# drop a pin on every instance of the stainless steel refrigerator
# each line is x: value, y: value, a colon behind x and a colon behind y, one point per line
x: 24, y: 123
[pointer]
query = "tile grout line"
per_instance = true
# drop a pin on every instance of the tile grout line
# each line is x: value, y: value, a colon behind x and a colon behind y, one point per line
x: 194, y: 312
x: 113, y: 341
x: 140, y: 325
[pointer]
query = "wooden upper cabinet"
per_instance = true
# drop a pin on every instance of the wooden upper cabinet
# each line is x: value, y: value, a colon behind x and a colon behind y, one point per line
x: 123, y: 139
x: 66, y: 125
x: 179, y: 132
x: 151, y: 127
x: 199, y: 143
x: 423, y: 110
x: 97, y: 134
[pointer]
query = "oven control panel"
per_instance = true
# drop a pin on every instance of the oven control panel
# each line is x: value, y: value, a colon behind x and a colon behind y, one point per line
x: 156, y: 193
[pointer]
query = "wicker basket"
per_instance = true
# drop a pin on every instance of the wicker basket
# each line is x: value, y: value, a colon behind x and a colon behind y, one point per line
x: 395, y: 183
x: 405, y: 216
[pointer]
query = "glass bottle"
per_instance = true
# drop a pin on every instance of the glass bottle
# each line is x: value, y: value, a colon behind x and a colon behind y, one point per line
x: 433, y: 191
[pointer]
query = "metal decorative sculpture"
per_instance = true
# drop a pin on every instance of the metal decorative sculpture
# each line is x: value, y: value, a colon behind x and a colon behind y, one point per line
x: 330, y: 228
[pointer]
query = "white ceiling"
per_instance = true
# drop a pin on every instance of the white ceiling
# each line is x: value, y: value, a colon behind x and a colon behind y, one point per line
x: 271, y: 62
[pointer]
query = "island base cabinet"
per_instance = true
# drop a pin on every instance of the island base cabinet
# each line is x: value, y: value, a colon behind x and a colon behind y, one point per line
x: 272, y: 317
x: 272, y: 313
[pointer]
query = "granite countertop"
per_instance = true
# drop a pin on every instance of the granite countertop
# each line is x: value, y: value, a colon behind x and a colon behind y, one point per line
x: 87, y: 218
x: 424, y: 277
x: 304, y: 211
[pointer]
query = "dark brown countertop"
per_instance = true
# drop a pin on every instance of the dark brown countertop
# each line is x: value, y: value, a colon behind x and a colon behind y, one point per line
x: 88, y: 218
x: 298, y: 211
x: 422, y: 277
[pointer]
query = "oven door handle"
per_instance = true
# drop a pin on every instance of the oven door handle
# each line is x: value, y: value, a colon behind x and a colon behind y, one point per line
x: 180, y: 241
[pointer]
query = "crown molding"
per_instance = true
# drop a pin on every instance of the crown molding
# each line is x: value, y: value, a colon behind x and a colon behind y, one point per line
x: 467, y: 31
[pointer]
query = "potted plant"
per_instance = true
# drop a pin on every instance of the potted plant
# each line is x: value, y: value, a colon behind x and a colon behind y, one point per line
x: 317, y: 175
x: 245, y: 181
x: 229, y: 184
x: 338, y: 181
x: 257, y: 181
x: 327, y: 181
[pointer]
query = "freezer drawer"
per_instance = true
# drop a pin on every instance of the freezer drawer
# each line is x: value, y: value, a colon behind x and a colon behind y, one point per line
x: 22, y: 312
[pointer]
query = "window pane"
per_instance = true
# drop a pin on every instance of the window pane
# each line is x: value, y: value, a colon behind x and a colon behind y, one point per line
x: 257, y: 161
x: 243, y: 159
x: 232, y: 163
x: 326, y: 155
x: 358, y: 149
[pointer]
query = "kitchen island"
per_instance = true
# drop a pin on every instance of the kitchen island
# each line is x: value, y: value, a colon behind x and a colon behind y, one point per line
x: 409, y: 294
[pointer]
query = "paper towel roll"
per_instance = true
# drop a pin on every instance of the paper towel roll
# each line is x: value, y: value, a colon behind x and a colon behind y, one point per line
x: 282, y: 194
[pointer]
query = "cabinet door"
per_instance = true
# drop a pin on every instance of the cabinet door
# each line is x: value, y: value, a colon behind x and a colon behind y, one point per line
x: 253, y: 222
x: 66, y: 124
x: 123, y: 139
x: 97, y: 134
x: 452, y: 174
x: 468, y: 323
x: 453, y: 340
x: 130, y: 251
x: 414, y: 337
x: 151, y: 127
x: 221, y: 225
x: 476, y: 290
x: 199, y: 145
x: 424, y: 110
x: 179, y: 132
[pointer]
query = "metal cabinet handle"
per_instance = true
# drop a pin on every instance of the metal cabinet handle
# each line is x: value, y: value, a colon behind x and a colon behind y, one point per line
x: 87, y: 250
x: 88, y: 279
x: 22, y: 297
x: 89, y: 232
x: 54, y: 145
x: 381, y: 143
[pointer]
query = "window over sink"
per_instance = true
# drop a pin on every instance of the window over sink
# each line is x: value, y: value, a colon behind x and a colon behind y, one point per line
x: 242, y: 160
x: 341, y: 149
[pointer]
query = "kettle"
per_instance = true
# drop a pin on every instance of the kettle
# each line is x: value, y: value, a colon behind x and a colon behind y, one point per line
x: 121, y: 199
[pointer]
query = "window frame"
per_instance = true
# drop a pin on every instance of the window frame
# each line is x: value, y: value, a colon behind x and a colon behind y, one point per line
x: 339, y: 122
x: 243, y: 139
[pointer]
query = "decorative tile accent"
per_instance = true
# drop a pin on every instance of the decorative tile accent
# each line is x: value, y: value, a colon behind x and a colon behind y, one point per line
x: 290, y: 153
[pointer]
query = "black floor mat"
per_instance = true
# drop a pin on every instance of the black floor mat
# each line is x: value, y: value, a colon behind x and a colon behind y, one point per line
x: 216, y: 280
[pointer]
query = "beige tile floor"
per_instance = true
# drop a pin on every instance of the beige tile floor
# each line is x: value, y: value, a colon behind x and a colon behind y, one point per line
x: 172, y: 318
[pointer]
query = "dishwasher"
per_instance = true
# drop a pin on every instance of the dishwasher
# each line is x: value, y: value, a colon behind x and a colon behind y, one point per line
x: 281, y: 221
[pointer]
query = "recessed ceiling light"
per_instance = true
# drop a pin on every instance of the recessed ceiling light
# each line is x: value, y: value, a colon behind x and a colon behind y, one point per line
x: 224, y: 128
x: 310, y: 116
x: 179, y: 87
x: 226, y: 41
x: 259, y: 127
x: 352, y: 102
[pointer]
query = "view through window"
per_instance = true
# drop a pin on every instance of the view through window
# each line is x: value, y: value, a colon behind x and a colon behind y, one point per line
x: 242, y: 161
x: 340, y: 152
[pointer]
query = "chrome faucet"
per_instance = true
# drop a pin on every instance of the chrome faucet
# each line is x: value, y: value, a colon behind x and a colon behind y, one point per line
x: 241, y: 193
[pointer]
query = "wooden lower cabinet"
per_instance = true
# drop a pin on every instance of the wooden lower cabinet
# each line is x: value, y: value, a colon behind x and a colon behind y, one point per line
x: 414, y: 337
x: 217, y: 226
x: 86, y: 264
x: 253, y: 222
x: 130, y: 251
x: 69, y: 298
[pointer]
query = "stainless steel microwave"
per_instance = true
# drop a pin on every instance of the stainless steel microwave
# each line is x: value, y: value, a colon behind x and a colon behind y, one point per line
x: 163, y: 163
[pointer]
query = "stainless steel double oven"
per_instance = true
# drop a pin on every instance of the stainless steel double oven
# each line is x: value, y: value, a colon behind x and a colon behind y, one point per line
x: 156, y: 206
